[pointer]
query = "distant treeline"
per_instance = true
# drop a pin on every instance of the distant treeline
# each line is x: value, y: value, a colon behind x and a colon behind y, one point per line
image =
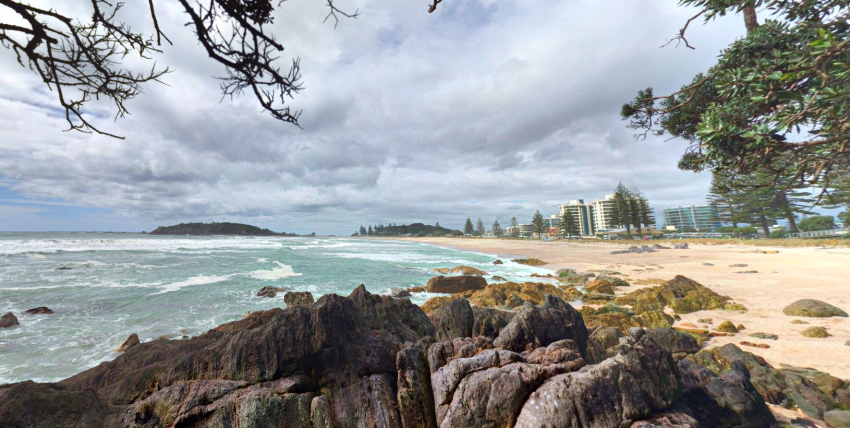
x: 204, y: 229
x: 415, y: 229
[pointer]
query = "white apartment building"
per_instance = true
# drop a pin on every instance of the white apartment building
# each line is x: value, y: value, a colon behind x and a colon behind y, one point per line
x: 583, y: 215
x: 602, y: 213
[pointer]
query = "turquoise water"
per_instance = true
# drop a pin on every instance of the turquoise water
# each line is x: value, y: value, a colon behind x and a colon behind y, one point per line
x: 154, y: 286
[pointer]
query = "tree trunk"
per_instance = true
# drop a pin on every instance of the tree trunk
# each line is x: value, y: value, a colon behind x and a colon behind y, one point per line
x: 750, y: 18
x: 792, y: 222
x: 764, y: 226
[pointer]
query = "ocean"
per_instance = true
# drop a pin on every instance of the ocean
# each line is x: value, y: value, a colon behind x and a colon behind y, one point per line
x: 104, y: 287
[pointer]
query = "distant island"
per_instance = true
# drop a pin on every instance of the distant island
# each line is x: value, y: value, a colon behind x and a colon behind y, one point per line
x: 206, y: 229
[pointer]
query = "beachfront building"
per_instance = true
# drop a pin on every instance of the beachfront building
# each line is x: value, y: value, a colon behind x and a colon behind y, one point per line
x: 702, y: 218
x: 554, y: 221
x: 526, y: 230
x: 583, y: 215
x: 602, y: 213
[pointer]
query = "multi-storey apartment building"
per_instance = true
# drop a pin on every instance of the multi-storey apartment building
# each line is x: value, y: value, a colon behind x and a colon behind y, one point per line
x: 583, y: 215
x: 701, y: 218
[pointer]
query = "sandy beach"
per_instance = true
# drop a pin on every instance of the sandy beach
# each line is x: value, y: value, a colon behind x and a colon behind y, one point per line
x: 783, y: 276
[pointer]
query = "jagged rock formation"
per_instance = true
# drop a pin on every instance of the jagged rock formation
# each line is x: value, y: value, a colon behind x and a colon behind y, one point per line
x: 374, y: 361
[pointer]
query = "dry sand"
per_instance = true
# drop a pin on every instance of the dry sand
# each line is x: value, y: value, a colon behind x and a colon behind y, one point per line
x: 782, y: 278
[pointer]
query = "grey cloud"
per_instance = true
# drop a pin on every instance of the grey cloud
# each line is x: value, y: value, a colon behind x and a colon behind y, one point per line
x: 407, y: 117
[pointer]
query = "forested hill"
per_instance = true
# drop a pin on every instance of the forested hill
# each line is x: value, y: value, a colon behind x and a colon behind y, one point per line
x: 215, y: 229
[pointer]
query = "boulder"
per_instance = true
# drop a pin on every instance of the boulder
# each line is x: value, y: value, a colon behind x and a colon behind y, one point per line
x: 41, y: 310
x: 497, y: 262
x: 8, y: 320
x: 679, y: 344
x: 724, y: 400
x: 727, y: 327
x: 462, y: 270
x: 298, y: 298
x: 130, y: 342
x: 599, y: 286
x: 682, y: 294
x: 454, y: 319
x: 498, y: 278
x: 655, y: 319
x: 815, y: 332
x: 489, y: 322
x: 513, y: 295
x: 837, y: 418
x: 640, y: 380
x: 415, y: 402
x: 270, y: 291
x: 813, y: 308
x: 536, y: 326
x: 454, y: 284
x: 399, y: 293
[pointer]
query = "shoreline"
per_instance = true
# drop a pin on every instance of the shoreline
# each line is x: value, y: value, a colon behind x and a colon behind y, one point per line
x: 784, y: 275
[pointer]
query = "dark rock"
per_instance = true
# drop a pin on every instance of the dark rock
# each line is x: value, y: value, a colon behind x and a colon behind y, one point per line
x: 497, y: 262
x: 399, y: 293
x: 266, y: 372
x: 498, y: 278
x: 489, y: 321
x: 679, y: 344
x: 320, y: 412
x: 725, y: 400
x: 530, y: 262
x: 640, y: 380
x: 748, y: 271
x: 298, y: 298
x: 64, y: 268
x: 270, y: 291
x: 455, y: 284
x: 41, y: 310
x: 536, y: 326
x: 454, y: 319
x: 708, y: 264
x: 8, y: 320
x: 415, y: 403
x: 607, y: 338
x: 130, y: 342
x: 813, y: 308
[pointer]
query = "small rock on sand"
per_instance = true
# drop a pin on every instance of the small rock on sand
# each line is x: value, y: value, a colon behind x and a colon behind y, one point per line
x: 766, y: 336
x: 739, y: 265
x: 727, y: 327
x: 816, y: 332
x: 813, y: 308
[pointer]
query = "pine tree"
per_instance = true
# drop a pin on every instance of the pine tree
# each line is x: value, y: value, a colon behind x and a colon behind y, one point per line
x: 569, y: 226
x: 514, y: 228
x: 538, y: 225
x: 621, y: 211
x: 468, y: 228
x: 479, y: 227
x: 497, y: 229
x: 362, y: 230
x: 370, y: 232
x: 437, y: 225
x: 646, y: 216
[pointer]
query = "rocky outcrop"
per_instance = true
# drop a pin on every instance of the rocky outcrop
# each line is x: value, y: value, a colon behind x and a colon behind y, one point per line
x: 536, y: 326
x: 640, y: 380
x: 813, y: 308
x: 8, y: 320
x: 599, y: 286
x: 455, y: 284
x: 399, y: 293
x: 682, y: 294
x: 299, y: 298
x: 679, y: 344
x: 454, y: 319
x: 488, y: 322
x: 41, y: 310
x: 270, y: 291
x: 811, y: 391
x: 128, y: 343
x: 361, y: 361
x: 462, y: 270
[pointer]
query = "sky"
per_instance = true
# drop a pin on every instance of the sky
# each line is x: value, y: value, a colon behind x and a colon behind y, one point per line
x: 484, y: 108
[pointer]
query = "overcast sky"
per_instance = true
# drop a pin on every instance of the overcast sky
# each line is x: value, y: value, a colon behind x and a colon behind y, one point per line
x: 485, y: 108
